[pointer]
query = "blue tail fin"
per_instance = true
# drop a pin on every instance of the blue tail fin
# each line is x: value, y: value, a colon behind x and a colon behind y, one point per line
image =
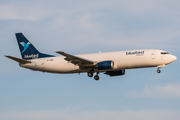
x: 27, y: 50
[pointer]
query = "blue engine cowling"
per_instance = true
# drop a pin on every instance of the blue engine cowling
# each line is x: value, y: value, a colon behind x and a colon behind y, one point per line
x: 105, y: 65
x: 116, y: 72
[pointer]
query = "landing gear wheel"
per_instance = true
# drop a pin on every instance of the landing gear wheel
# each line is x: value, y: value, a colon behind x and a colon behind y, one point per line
x: 96, y: 77
x: 158, y: 71
x: 90, y: 74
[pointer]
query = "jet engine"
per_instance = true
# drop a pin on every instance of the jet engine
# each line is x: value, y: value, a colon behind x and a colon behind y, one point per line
x: 105, y: 65
x: 116, y: 72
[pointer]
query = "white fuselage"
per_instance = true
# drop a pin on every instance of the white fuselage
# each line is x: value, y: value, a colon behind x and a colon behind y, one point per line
x: 122, y: 60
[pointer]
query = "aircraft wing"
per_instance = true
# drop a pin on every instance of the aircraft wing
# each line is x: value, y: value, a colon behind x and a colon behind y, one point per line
x: 76, y: 60
x: 22, y: 61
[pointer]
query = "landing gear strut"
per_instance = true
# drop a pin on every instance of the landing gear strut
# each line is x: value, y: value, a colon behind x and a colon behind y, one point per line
x: 96, y: 77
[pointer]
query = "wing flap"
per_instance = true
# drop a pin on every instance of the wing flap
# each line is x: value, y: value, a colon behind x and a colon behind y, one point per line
x: 76, y: 60
x: 22, y: 61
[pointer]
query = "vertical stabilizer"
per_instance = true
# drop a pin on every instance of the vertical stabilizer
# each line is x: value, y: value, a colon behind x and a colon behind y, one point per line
x: 27, y: 50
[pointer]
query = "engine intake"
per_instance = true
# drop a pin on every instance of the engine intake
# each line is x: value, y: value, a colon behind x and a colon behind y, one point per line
x: 116, y: 72
x: 105, y: 65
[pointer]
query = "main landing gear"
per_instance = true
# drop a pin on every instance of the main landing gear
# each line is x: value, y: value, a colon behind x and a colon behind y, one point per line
x: 96, y: 77
x: 90, y: 74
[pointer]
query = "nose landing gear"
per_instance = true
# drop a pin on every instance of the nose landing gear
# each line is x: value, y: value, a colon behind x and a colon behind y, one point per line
x: 160, y: 66
x: 158, y: 71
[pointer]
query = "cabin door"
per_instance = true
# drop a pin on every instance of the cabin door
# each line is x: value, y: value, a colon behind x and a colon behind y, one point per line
x: 153, y: 54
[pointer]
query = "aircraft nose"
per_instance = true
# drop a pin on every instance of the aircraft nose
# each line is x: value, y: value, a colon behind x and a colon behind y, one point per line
x: 174, y: 58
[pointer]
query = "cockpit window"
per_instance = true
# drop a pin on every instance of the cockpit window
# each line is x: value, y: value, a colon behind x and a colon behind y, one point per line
x: 164, y: 53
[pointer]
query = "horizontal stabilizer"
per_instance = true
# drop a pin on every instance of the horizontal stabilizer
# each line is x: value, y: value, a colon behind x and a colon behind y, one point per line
x: 22, y: 61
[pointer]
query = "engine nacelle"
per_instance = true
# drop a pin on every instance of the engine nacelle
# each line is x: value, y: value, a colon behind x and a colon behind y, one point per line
x: 105, y: 65
x: 116, y: 72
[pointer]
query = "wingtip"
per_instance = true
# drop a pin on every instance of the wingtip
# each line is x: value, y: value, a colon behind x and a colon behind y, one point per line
x: 58, y: 52
x: 6, y: 55
x: 18, y: 33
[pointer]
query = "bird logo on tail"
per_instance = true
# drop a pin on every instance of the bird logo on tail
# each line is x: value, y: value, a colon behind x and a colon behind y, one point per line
x: 25, y: 45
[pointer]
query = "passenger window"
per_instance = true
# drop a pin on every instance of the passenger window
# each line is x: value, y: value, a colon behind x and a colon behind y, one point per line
x: 49, y: 59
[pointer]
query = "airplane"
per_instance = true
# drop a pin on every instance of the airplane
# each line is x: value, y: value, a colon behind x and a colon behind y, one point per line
x: 110, y: 63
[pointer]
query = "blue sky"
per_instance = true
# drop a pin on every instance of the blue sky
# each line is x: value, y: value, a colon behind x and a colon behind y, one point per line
x: 79, y: 27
